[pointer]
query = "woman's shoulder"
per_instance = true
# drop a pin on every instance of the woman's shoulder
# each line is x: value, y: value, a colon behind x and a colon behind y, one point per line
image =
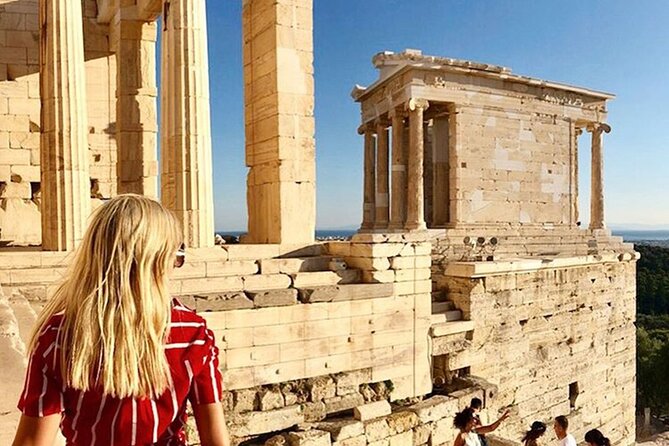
x: 182, y: 313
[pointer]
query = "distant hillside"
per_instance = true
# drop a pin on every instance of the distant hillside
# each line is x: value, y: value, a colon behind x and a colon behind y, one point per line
x: 653, y: 328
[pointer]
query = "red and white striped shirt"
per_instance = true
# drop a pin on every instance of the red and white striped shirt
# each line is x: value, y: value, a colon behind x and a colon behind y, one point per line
x: 92, y: 418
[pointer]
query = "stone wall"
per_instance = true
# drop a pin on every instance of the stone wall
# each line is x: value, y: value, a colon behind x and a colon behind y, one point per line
x: 20, y: 116
x: 555, y: 337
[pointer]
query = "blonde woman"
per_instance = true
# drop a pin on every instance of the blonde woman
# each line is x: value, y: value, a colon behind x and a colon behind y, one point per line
x: 114, y: 358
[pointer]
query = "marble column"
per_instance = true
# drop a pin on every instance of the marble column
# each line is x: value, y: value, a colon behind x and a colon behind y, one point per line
x: 597, y: 176
x: 382, y: 166
x: 65, y: 179
x: 399, y: 171
x: 576, y: 132
x: 369, y: 198
x: 136, y: 107
x: 186, y: 168
x: 415, y: 190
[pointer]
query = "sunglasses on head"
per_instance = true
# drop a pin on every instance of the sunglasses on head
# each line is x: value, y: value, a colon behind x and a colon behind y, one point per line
x: 181, y: 256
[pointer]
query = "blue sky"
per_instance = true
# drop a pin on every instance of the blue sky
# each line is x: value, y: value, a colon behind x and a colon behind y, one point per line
x: 618, y: 46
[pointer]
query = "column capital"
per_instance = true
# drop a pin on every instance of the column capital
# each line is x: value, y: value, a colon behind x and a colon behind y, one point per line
x: 383, y: 122
x: 599, y: 127
x: 417, y: 103
x: 368, y: 127
x: 578, y: 131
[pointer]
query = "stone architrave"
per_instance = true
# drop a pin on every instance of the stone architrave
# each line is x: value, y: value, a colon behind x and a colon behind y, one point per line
x: 136, y: 107
x: 369, y: 198
x: 279, y: 105
x: 597, y: 177
x: 382, y: 166
x: 399, y: 171
x: 65, y: 180
x: 186, y: 170
x: 415, y: 189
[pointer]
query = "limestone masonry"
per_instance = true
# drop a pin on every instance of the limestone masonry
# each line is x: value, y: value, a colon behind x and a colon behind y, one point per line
x: 471, y: 274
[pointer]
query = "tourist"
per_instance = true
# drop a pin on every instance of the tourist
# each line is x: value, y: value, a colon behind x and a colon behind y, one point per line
x: 537, y: 429
x: 114, y: 358
x: 595, y: 438
x: 469, y: 433
x: 560, y: 426
x: 476, y: 405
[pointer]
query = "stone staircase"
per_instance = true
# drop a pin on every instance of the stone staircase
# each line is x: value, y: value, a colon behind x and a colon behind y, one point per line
x: 450, y: 337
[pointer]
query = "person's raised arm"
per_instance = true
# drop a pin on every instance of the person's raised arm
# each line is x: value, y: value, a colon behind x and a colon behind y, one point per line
x: 493, y: 426
x: 458, y: 440
x: 37, y: 431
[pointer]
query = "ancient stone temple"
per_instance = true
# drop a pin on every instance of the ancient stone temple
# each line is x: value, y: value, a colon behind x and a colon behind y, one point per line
x: 470, y: 275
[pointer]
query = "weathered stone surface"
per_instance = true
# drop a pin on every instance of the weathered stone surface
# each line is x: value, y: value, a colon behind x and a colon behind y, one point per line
x: 244, y: 400
x: 319, y: 294
x: 277, y: 440
x: 372, y: 410
x: 434, y: 408
x: 273, y: 298
x: 360, y: 440
x: 222, y: 301
x: 342, y: 429
x: 341, y: 403
x: 421, y: 434
x: 403, y: 439
x: 402, y: 421
x: 270, y: 398
x: 311, y: 437
x: 314, y: 411
x: 321, y: 388
x: 254, y: 423
x: 350, y: 382
x: 377, y: 429
x: 364, y: 291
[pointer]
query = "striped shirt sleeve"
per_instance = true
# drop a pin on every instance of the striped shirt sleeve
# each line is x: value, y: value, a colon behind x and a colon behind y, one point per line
x: 42, y: 393
x: 206, y: 385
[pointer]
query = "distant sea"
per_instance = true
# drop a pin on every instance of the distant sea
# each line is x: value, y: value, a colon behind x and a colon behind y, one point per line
x: 632, y: 236
x: 627, y: 235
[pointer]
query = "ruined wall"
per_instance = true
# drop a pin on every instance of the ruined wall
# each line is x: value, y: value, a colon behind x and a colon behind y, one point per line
x: 549, y: 333
x: 20, y: 115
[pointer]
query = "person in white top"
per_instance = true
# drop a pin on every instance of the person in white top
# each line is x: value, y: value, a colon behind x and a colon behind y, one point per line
x: 560, y: 425
x: 465, y: 421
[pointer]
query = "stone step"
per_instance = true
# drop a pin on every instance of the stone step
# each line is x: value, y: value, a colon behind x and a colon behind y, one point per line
x: 448, y: 316
x: 449, y: 328
x: 25, y: 316
x: 442, y: 307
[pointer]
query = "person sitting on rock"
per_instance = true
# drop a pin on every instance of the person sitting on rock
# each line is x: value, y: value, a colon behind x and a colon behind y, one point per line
x: 537, y: 429
x: 469, y: 433
x: 560, y: 426
x: 595, y: 438
x: 114, y: 359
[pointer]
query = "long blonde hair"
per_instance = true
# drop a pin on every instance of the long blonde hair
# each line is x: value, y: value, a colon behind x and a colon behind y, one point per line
x: 115, y: 301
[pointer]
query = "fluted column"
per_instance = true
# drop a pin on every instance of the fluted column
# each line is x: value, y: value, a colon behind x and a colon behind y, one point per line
x: 382, y: 177
x: 186, y: 170
x: 369, y: 196
x: 136, y: 105
x: 416, y: 192
x: 399, y: 171
x: 597, y: 176
x: 65, y: 180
